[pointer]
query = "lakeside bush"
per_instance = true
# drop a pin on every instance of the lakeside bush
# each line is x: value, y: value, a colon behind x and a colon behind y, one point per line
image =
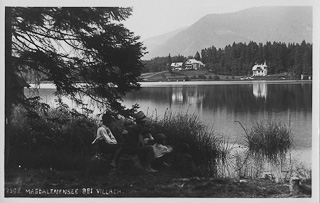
x: 62, y: 140
x: 216, y: 77
x: 268, y: 144
x: 269, y: 140
x: 57, y: 138
x: 201, y: 76
x: 206, y: 148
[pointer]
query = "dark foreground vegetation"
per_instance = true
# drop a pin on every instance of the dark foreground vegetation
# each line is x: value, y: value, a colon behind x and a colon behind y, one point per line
x: 51, y: 155
x: 133, y: 182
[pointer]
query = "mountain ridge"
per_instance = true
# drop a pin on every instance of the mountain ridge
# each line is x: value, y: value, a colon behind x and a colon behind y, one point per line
x: 291, y: 24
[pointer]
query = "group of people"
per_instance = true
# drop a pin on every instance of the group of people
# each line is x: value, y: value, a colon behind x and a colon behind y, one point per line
x: 136, y: 138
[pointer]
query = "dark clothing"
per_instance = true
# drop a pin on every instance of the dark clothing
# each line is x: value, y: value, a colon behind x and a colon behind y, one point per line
x: 106, y: 148
x: 145, y: 153
x: 132, y: 137
x: 183, y: 163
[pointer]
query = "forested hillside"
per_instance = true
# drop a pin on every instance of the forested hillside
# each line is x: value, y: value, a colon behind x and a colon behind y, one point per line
x: 238, y: 58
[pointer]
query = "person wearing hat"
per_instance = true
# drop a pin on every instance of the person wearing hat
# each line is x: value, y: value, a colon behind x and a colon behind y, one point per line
x: 134, y: 144
x: 140, y: 118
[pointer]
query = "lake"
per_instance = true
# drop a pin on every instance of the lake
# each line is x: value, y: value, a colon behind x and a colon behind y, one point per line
x: 219, y: 104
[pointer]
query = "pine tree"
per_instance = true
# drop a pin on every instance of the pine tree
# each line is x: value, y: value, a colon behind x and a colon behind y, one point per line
x: 197, y: 56
x: 71, y: 45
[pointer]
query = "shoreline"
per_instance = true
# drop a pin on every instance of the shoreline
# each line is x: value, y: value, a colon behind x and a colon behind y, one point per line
x: 224, y: 82
x: 199, y: 82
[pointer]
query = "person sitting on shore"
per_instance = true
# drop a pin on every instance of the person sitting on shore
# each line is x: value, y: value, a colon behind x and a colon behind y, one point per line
x: 147, y: 137
x: 134, y: 144
x: 160, y: 150
x: 105, y: 140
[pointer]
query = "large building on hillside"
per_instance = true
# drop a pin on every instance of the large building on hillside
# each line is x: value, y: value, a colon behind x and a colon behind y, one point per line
x: 193, y: 64
x: 176, y: 66
x: 260, y: 70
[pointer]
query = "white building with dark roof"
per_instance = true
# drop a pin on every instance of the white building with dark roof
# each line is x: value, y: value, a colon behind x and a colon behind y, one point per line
x: 176, y: 66
x: 260, y: 70
x: 193, y: 64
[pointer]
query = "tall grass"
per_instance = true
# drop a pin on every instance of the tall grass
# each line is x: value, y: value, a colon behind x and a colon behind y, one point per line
x: 206, y: 148
x: 269, y: 140
x: 267, y: 145
x: 58, y: 138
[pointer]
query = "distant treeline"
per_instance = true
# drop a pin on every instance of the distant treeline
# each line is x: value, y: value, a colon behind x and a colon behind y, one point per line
x: 162, y: 63
x: 239, y: 58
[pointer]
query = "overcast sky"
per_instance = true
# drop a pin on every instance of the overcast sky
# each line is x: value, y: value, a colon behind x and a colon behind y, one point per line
x: 154, y: 17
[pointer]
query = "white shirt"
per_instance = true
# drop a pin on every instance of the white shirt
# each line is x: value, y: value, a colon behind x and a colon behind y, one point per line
x: 104, y: 133
x: 160, y: 150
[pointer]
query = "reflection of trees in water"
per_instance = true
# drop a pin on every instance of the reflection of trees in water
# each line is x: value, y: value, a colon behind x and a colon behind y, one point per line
x: 234, y: 98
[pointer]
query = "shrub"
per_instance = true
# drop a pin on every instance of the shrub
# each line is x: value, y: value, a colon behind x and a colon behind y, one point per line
x: 50, y: 139
x: 202, y: 76
x: 216, y: 77
x: 269, y: 140
x: 205, y: 147
x: 193, y: 77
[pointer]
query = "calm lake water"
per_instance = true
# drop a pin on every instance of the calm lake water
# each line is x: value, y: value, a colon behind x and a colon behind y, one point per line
x: 219, y: 104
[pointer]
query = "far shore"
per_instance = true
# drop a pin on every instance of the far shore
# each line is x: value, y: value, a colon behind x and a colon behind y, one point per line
x: 222, y: 82
x: 50, y: 85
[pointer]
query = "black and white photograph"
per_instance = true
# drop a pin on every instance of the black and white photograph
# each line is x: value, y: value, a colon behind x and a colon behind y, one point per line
x: 203, y: 100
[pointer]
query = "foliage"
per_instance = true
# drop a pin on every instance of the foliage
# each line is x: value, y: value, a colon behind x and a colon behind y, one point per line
x: 206, y: 147
x: 239, y: 58
x: 269, y: 140
x: 161, y: 63
x: 216, y: 77
x: 197, y: 56
x: 202, y: 76
x: 48, y: 140
x: 68, y: 45
x: 186, y: 78
x: 52, y: 139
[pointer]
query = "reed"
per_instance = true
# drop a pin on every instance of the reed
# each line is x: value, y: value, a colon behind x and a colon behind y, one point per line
x: 51, y: 139
x: 269, y: 140
x: 206, y: 147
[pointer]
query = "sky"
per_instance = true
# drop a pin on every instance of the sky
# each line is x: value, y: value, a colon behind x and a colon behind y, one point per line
x: 154, y: 17
x: 151, y: 18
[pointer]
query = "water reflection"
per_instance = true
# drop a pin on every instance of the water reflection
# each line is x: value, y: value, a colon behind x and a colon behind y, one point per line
x: 260, y: 90
x: 177, y: 96
x: 220, y: 105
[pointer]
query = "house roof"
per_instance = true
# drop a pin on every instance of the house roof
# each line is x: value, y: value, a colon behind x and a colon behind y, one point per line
x: 259, y: 67
x: 192, y: 61
x: 177, y: 64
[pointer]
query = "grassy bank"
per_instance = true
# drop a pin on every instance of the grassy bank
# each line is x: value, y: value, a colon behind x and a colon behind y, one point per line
x: 54, y: 151
x: 204, y: 75
x: 137, y: 183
